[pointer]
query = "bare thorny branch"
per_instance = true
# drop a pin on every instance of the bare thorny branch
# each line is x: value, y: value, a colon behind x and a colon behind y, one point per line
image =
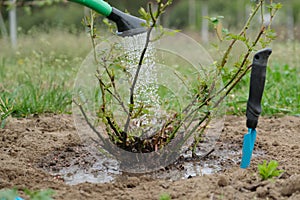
x: 115, y: 94
x: 206, y: 97
x: 235, y: 79
x: 109, y: 120
x: 242, y: 33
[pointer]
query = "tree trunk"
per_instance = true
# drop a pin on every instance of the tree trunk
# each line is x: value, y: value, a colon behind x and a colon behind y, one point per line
x: 204, y: 29
x: 13, y: 25
x: 290, y: 23
x: 192, y: 13
x: 2, y: 27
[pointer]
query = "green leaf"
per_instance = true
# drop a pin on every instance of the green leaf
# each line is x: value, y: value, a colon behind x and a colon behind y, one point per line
x: 165, y: 196
x: 40, y: 194
x: 225, y: 31
x: 271, y: 34
x: 267, y: 171
x: 275, y: 6
x: 215, y: 20
x: 145, y: 15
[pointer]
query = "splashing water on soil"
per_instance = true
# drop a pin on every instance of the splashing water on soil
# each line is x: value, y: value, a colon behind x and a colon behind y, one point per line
x: 78, y: 165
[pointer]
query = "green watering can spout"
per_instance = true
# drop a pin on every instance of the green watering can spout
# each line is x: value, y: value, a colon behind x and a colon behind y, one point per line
x: 127, y: 25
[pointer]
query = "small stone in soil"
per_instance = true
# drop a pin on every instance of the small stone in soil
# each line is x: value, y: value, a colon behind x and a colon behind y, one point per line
x: 262, y: 192
x: 292, y: 185
x: 275, y: 144
x: 165, y: 185
x: 222, y: 182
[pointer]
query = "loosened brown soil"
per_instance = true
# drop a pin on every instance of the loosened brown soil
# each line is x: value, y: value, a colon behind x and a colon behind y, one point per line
x: 25, y: 146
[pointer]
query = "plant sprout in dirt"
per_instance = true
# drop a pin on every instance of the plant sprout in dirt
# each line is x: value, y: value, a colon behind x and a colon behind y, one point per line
x: 152, y: 96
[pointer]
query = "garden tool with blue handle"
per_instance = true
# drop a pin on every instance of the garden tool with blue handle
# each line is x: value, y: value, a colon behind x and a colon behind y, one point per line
x: 127, y: 25
x: 257, y: 84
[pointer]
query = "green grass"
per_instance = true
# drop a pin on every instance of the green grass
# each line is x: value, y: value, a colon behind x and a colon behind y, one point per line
x: 39, y: 77
x: 29, y: 98
x: 12, y: 194
x: 165, y: 196
x: 281, y: 94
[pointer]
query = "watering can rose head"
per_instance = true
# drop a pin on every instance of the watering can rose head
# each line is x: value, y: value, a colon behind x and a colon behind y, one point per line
x: 127, y: 25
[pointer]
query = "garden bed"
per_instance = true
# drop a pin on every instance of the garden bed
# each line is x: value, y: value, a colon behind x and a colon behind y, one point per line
x: 34, y: 151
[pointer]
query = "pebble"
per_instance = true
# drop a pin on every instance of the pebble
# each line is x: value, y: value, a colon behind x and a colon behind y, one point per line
x: 165, y: 185
x: 292, y: 185
x: 222, y: 182
x: 262, y: 192
x: 275, y: 144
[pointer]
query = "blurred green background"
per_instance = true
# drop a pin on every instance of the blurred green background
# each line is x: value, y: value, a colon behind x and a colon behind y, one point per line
x: 37, y: 76
x: 182, y: 14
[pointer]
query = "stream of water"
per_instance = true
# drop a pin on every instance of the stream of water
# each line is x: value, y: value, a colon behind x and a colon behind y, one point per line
x: 146, y: 88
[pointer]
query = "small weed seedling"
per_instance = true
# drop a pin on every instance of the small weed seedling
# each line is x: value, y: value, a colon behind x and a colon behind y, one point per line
x: 267, y: 171
x: 165, y: 196
x: 12, y: 194
x: 40, y: 194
